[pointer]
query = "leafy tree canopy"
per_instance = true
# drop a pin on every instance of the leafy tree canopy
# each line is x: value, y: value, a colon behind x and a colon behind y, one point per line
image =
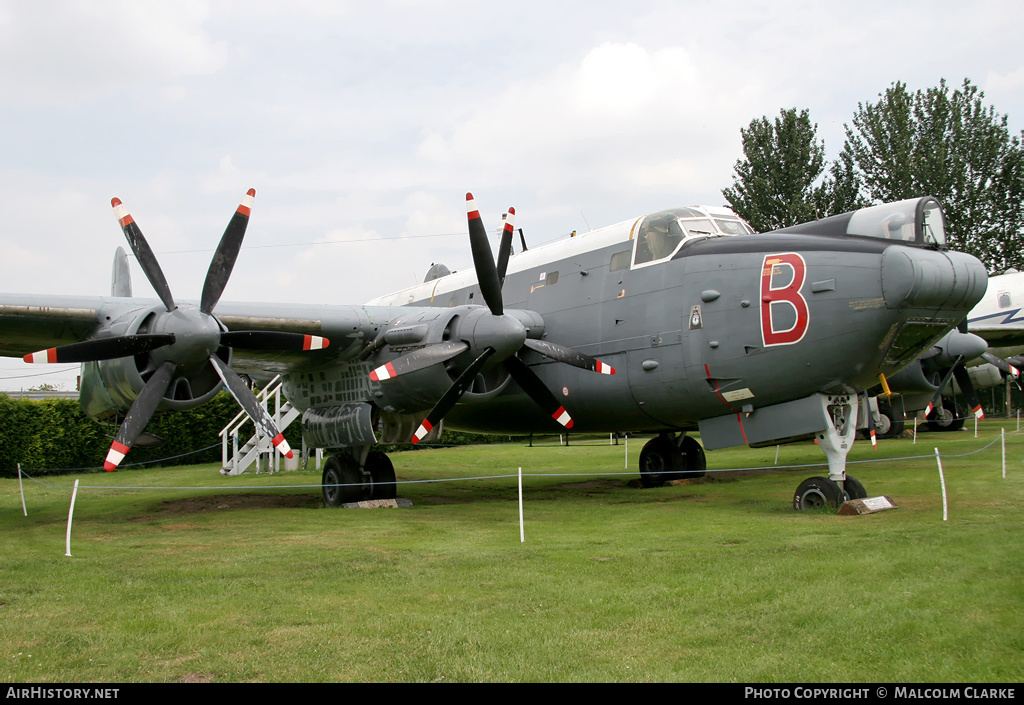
x: 938, y: 142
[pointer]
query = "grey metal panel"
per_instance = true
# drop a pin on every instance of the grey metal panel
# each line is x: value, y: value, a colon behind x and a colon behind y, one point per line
x: 338, y: 426
x: 777, y: 422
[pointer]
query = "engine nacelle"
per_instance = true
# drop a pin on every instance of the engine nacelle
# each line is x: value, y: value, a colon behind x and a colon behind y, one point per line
x: 475, y: 325
x: 110, y: 387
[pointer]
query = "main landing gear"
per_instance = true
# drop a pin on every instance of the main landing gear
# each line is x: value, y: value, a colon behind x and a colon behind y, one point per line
x: 671, y: 457
x: 356, y: 475
x: 836, y: 440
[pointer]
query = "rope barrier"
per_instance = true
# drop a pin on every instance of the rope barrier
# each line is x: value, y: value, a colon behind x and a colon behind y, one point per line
x: 220, y: 488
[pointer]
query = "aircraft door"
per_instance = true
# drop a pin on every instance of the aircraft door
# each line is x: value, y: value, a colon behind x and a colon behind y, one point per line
x: 657, y: 376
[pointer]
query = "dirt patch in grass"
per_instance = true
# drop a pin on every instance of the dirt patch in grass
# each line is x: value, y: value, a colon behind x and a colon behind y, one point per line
x: 228, y: 502
x: 592, y: 484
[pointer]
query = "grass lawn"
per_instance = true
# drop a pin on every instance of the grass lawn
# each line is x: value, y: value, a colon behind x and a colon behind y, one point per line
x: 183, y: 575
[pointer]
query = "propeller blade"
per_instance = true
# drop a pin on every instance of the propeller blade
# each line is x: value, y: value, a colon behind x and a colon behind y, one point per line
x: 452, y: 396
x: 937, y: 399
x: 418, y: 360
x: 227, y: 252
x: 535, y: 389
x: 505, y: 249
x: 483, y: 259
x: 102, y: 349
x: 963, y: 378
x: 139, y: 415
x: 143, y: 253
x: 1002, y: 364
x: 272, y: 340
x: 248, y: 401
x: 569, y: 356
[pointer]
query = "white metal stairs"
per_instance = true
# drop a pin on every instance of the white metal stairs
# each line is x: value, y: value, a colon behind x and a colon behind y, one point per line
x: 258, y: 449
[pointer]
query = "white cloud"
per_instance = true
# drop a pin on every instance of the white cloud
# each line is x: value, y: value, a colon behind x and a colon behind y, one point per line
x: 94, y: 50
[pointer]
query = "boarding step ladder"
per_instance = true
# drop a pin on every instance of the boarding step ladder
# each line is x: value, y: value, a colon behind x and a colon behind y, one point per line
x: 259, y: 449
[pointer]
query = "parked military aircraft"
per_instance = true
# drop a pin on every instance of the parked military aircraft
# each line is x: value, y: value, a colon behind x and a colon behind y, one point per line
x: 677, y: 321
x: 987, y: 347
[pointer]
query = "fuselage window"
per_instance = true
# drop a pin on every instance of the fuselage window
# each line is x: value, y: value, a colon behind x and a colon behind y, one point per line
x: 1004, y: 299
x: 620, y: 260
x: 552, y: 278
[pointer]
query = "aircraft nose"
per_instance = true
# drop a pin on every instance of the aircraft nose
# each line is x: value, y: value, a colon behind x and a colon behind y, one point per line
x: 931, y: 279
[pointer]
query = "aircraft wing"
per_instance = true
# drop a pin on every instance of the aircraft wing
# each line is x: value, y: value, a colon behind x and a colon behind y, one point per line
x: 998, y: 317
x: 1001, y: 330
x: 29, y: 323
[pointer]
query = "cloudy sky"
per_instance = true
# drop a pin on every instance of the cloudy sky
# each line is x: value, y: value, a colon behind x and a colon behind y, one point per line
x: 362, y: 125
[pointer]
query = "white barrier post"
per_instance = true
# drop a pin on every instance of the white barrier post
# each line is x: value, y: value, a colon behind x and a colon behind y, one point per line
x: 975, y: 426
x: 522, y: 531
x: 777, y: 454
x: 626, y: 466
x: 942, y: 481
x: 71, y: 511
x: 915, y: 431
x: 22, y: 491
x: 1002, y: 440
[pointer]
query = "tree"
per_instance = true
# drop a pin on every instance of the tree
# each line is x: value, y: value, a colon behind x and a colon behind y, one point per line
x: 945, y: 144
x: 779, y: 182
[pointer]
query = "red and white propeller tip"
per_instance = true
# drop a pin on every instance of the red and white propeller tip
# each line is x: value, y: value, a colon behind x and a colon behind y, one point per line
x: 425, y: 428
x: 315, y: 342
x: 115, y: 455
x: 245, y: 207
x: 385, y: 371
x: 121, y: 212
x: 282, y: 445
x: 42, y: 357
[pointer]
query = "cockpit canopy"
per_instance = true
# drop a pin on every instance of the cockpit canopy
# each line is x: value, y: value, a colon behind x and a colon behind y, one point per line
x: 917, y: 221
x: 660, y: 234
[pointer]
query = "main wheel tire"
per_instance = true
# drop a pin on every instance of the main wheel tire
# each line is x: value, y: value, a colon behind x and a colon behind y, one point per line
x: 816, y: 493
x: 659, y: 462
x: 383, y: 474
x: 948, y: 417
x: 854, y: 488
x: 693, y: 459
x: 892, y: 425
x: 341, y: 481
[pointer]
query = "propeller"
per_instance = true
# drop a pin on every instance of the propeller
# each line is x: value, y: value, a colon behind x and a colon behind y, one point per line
x: 965, y: 346
x: 937, y: 399
x: 494, y: 339
x: 1004, y: 366
x: 186, y: 339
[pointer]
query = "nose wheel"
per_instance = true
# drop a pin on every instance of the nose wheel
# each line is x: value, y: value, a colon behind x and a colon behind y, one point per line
x: 840, y: 414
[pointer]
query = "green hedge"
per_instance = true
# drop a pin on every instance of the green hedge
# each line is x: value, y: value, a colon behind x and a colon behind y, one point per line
x: 54, y: 436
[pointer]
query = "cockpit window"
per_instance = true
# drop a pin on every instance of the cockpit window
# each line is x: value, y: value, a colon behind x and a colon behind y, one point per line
x: 660, y: 235
x: 916, y: 220
x: 730, y: 226
x: 934, y: 226
x: 699, y: 226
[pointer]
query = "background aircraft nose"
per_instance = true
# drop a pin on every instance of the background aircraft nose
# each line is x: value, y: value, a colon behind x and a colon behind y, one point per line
x: 917, y: 278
